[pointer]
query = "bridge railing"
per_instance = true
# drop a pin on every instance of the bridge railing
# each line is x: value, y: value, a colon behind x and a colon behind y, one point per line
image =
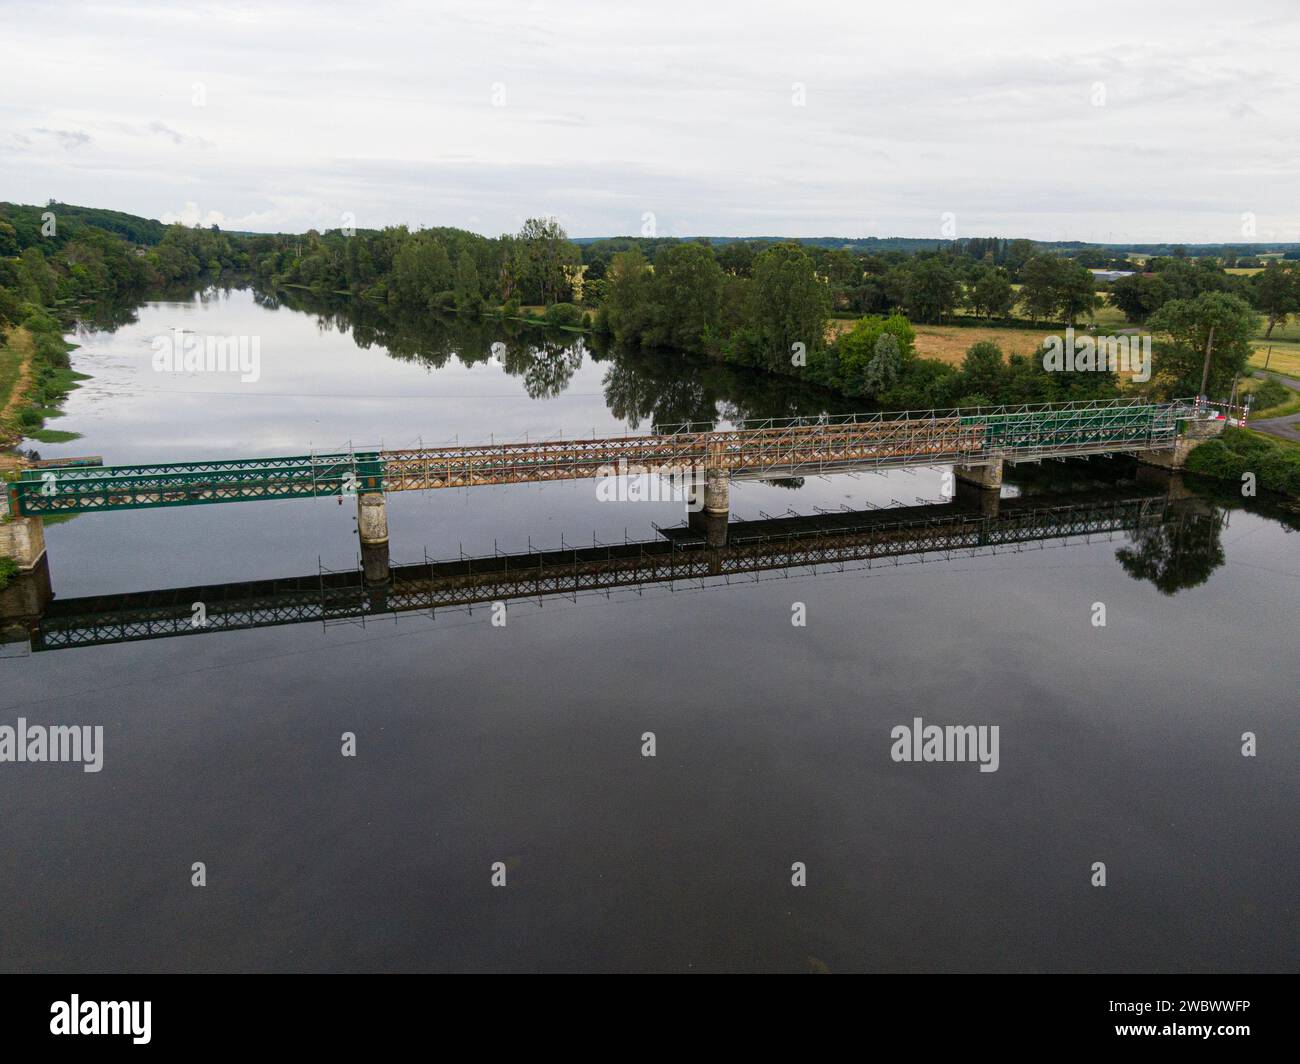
x: 1183, y: 408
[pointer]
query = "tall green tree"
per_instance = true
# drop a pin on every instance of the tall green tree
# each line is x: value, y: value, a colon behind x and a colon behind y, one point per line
x: 1277, y: 294
x: 685, y: 293
x: 789, y: 304
x: 1184, y: 328
x: 1039, y: 281
x: 469, y: 298
x: 990, y: 293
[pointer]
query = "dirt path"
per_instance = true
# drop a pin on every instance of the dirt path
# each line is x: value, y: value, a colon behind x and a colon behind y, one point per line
x: 20, y: 339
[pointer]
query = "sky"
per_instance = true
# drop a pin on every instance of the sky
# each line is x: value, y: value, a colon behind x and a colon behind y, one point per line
x: 1107, y: 122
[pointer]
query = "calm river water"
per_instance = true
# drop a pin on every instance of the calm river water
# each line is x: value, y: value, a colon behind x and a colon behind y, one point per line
x: 523, y: 744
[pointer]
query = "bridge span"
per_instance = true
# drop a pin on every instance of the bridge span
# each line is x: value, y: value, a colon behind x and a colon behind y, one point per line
x: 975, y: 441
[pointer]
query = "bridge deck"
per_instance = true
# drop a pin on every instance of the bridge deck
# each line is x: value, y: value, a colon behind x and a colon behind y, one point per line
x: 769, y: 448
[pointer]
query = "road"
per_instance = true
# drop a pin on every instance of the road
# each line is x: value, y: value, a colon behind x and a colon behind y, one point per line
x: 1287, y: 427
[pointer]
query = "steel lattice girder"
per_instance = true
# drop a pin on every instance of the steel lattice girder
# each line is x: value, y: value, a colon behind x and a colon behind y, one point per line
x: 968, y: 437
x: 81, y: 490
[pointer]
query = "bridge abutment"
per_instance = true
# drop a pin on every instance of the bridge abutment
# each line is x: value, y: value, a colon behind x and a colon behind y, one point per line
x: 1194, y: 433
x: 23, y: 540
x: 23, y: 602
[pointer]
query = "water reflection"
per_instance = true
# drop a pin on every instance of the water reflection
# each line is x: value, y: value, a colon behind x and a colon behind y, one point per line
x: 654, y: 389
x: 1175, y: 536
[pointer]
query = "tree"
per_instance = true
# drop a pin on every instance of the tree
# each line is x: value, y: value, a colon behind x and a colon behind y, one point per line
x: 542, y: 252
x: 983, y: 372
x: 868, y: 364
x: 789, y: 304
x: 1075, y: 291
x: 1040, y: 278
x: 626, y: 311
x: 685, y: 293
x: 885, y: 366
x: 421, y: 270
x: 991, y: 293
x: 1277, y: 294
x: 1185, y: 324
x: 469, y: 299
x: 927, y: 287
x: 1139, y: 296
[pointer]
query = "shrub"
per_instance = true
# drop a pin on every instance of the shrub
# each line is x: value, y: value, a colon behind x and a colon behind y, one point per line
x: 1270, y: 393
x: 562, y: 314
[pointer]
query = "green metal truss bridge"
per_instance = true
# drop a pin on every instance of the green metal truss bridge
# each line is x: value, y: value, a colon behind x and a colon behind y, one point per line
x: 772, y: 447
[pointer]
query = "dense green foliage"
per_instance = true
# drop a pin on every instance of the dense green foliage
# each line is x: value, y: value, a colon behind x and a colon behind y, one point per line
x: 8, y: 567
x: 1270, y: 393
x: 1225, y: 322
x: 764, y: 304
x: 1238, y: 451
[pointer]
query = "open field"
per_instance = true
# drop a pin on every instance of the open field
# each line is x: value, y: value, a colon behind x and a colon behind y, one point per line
x: 1285, y: 344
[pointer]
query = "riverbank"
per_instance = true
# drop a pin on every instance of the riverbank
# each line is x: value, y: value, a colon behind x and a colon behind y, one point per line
x: 1270, y: 464
x: 36, y: 376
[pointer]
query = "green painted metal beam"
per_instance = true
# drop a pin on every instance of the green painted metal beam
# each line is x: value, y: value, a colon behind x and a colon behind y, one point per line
x: 45, y: 492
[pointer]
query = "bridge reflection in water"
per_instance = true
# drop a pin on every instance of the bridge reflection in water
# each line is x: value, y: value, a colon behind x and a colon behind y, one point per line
x: 708, y: 550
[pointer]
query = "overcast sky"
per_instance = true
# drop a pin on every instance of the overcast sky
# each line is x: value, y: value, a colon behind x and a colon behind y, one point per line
x: 1132, y: 121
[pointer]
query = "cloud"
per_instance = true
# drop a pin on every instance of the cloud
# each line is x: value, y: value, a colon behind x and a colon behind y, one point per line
x: 680, y: 108
x: 67, y: 138
x: 191, y: 215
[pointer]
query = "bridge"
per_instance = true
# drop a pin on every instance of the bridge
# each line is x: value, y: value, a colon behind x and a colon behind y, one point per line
x: 975, y: 441
x: 721, y: 553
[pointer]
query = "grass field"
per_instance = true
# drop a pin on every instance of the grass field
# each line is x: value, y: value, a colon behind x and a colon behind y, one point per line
x: 1285, y: 344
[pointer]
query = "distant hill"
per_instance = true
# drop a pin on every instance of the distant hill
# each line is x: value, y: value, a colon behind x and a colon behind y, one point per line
x: 913, y: 244
x: 26, y: 220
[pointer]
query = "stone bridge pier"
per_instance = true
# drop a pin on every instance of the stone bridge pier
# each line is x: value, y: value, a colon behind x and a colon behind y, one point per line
x: 372, y: 530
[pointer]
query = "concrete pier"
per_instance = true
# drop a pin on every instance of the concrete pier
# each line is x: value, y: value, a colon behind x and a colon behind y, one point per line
x: 717, y: 492
x: 372, y: 519
x: 986, y: 477
x: 23, y: 540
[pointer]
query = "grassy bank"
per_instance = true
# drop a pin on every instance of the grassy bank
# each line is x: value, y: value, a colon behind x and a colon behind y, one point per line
x: 1274, y: 463
x: 35, y: 377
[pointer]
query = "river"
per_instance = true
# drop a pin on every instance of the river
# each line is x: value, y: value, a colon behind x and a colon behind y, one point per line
x: 517, y: 750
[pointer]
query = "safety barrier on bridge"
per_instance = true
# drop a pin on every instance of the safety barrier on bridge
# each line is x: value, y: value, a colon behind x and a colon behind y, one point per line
x: 771, y: 447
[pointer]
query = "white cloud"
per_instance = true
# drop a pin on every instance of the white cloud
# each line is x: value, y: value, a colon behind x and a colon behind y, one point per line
x: 684, y: 109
